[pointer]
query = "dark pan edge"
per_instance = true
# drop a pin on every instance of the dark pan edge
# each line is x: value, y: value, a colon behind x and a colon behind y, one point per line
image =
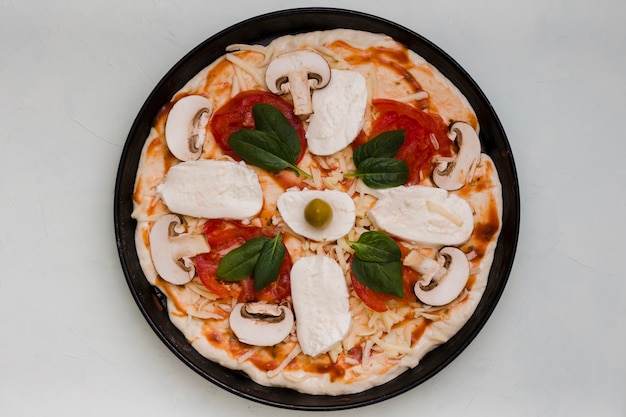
x: 293, y: 21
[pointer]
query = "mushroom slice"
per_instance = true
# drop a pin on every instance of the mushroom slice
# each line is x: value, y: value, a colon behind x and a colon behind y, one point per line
x: 185, y: 128
x: 260, y: 323
x: 448, y: 282
x: 455, y: 174
x: 172, y: 249
x: 298, y: 73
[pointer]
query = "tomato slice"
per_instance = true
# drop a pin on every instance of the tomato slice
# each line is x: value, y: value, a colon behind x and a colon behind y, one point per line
x: 279, y: 289
x: 206, y: 266
x: 423, y: 130
x: 223, y: 236
x: 375, y: 300
x: 274, y: 292
x: 237, y: 115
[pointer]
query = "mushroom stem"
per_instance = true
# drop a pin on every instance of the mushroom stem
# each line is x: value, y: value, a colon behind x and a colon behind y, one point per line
x: 300, y: 92
x: 185, y: 245
x: 172, y: 249
x: 297, y: 73
x: 453, y: 175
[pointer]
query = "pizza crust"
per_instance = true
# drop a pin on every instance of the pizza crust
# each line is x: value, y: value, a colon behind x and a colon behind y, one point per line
x: 396, y: 340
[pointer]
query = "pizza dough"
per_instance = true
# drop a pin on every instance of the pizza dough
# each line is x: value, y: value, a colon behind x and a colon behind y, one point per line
x: 374, y: 346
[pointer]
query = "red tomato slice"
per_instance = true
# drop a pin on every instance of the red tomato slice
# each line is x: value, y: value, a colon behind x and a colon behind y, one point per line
x: 223, y: 236
x: 279, y: 289
x: 247, y: 293
x: 423, y: 130
x: 206, y: 266
x: 274, y: 292
x: 375, y: 300
x: 237, y: 115
x: 409, y: 278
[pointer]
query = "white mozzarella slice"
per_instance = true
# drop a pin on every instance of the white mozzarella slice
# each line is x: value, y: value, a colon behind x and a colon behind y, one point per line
x: 212, y: 189
x: 291, y: 205
x: 338, y: 113
x: 423, y: 215
x: 320, y: 302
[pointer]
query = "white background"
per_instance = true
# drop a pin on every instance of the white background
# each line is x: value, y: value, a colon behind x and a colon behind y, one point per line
x: 73, y: 75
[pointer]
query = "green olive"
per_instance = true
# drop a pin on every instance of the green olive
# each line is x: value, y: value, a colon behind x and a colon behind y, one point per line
x: 318, y: 213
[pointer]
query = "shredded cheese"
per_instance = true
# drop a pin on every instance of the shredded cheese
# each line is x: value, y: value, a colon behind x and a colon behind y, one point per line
x: 239, y: 84
x: 341, y: 63
x: 246, y: 67
x: 420, y: 95
x: 206, y: 315
x: 434, y: 141
x: 436, y: 208
x: 198, y: 288
x: 367, y: 353
x: 294, y: 352
x: 390, y: 349
x: 246, y: 47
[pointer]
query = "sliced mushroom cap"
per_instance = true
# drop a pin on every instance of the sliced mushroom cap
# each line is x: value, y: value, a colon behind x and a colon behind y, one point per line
x: 298, y: 73
x: 455, y: 174
x: 449, y: 282
x: 185, y: 128
x: 172, y: 249
x: 260, y: 323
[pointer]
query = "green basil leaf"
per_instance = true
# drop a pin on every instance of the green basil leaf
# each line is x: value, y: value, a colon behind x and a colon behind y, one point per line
x: 261, y: 149
x: 239, y: 263
x: 269, y: 262
x: 271, y: 120
x: 382, y: 172
x: 264, y: 150
x: 376, y: 246
x: 385, y: 145
x: 383, y: 277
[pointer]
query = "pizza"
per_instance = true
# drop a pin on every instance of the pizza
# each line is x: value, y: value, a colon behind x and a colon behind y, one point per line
x: 318, y: 211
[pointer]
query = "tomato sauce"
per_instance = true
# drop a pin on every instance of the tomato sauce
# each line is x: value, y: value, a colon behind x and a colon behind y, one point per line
x: 393, y: 59
x: 419, y: 331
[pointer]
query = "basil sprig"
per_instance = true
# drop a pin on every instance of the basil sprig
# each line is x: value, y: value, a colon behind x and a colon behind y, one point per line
x: 383, y: 172
x: 376, y: 246
x: 376, y: 164
x: 274, y: 144
x: 377, y: 263
x: 239, y: 263
x: 260, y: 257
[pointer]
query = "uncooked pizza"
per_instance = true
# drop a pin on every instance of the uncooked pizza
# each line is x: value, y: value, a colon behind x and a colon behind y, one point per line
x: 318, y: 211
